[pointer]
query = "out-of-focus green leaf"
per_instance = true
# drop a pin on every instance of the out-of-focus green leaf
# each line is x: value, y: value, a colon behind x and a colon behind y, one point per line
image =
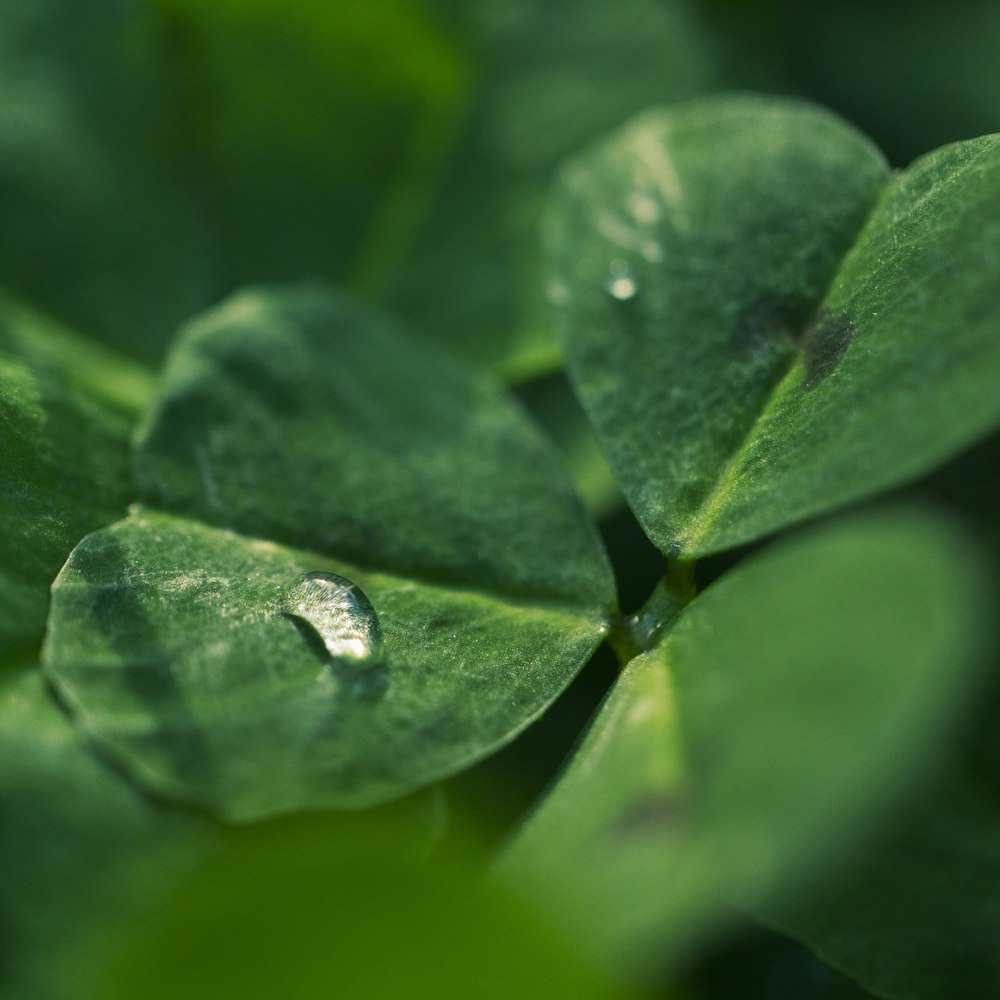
x: 551, y: 402
x: 100, y: 227
x: 312, y: 908
x: 556, y: 73
x: 79, y: 845
x: 913, y: 77
x: 792, y: 705
x: 918, y: 917
x: 66, y: 413
x: 295, y: 417
x: 762, y: 325
x: 154, y: 154
x: 317, y: 130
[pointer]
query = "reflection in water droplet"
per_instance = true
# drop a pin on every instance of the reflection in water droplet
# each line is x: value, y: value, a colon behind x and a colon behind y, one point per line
x: 620, y: 283
x: 341, y: 615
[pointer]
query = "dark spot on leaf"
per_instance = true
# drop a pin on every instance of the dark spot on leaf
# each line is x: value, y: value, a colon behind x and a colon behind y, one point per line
x: 824, y: 345
x: 652, y: 817
x: 768, y: 320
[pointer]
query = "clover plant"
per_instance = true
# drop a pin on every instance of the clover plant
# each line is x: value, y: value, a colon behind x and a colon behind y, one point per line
x: 304, y: 541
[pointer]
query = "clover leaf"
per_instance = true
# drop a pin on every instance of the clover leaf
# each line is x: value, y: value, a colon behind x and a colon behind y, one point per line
x: 788, y: 709
x: 331, y: 443
x: 67, y: 409
x: 763, y: 323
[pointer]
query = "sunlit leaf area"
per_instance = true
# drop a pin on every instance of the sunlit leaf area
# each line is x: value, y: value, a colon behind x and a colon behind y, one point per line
x: 499, y: 500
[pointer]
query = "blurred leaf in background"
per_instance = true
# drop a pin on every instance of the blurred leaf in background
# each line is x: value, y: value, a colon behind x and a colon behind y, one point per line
x: 67, y: 410
x: 100, y: 227
x: 918, y: 913
x: 341, y: 906
x: 554, y: 74
x: 315, y: 131
x: 743, y: 760
x: 912, y: 75
x: 157, y: 153
x: 81, y: 848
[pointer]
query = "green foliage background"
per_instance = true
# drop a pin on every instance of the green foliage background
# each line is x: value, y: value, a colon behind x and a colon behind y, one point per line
x: 657, y: 418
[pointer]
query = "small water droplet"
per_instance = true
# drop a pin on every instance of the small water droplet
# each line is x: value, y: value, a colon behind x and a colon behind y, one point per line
x: 341, y: 615
x: 620, y: 283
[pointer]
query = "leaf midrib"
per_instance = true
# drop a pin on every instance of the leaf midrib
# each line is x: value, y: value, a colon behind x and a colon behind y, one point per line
x: 512, y: 599
x: 723, y: 484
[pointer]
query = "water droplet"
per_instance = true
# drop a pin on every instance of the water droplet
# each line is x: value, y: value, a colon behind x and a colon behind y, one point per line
x: 620, y: 283
x: 341, y: 615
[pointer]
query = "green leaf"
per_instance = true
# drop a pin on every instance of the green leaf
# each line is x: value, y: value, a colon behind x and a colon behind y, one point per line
x: 294, y: 417
x: 551, y: 79
x: 80, y: 845
x: 792, y: 704
x: 916, y: 918
x: 551, y: 402
x: 175, y: 646
x: 316, y: 131
x: 310, y: 908
x: 154, y: 154
x: 100, y: 228
x: 66, y: 414
x: 762, y: 324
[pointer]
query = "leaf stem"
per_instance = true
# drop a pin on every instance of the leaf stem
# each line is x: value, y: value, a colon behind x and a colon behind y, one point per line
x: 631, y: 635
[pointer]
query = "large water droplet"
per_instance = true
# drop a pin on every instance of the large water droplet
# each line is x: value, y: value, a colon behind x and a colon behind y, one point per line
x: 620, y: 283
x: 341, y: 615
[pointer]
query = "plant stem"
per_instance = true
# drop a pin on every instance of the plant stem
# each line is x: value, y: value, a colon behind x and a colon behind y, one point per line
x: 634, y: 634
